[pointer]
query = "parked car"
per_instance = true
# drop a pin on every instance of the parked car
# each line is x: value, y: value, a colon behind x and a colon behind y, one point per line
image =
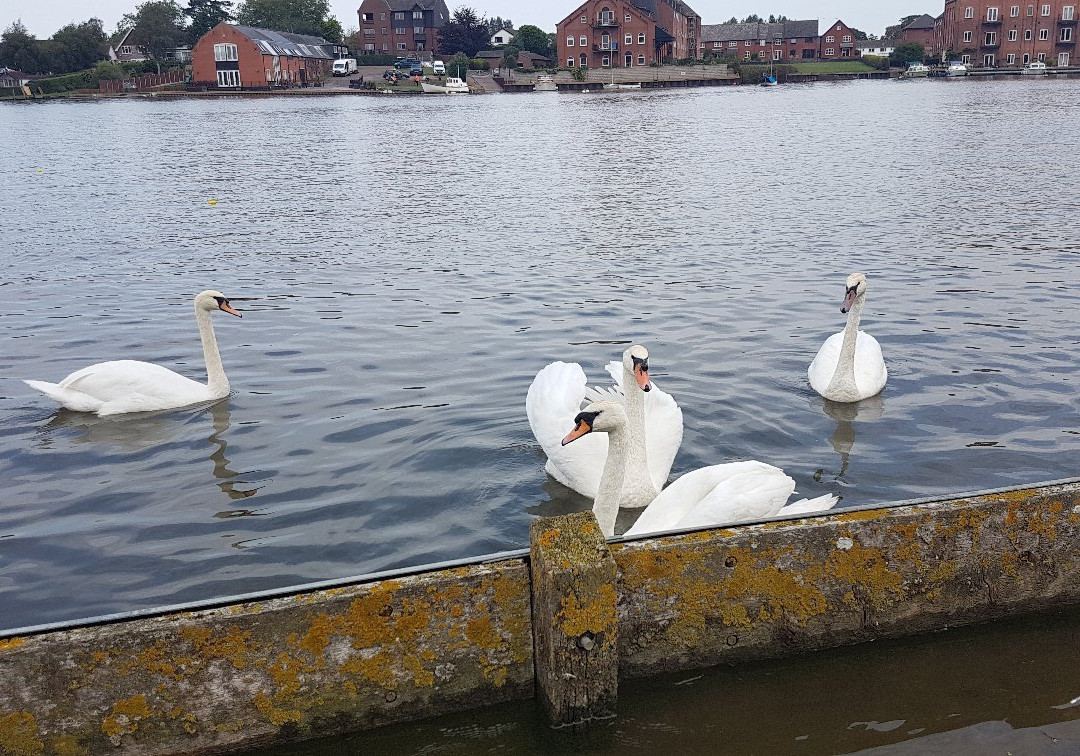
x: 402, y: 63
x: 416, y: 69
x: 439, y: 68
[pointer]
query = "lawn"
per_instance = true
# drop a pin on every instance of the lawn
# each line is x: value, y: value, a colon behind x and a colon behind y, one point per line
x: 827, y: 67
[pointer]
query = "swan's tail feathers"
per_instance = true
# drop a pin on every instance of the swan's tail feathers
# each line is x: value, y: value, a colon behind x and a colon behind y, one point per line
x: 67, y: 397
x: 806, y: 506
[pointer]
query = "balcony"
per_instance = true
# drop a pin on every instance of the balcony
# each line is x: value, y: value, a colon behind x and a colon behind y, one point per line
x: 990, y: 45
x: 606, y: 23
x: 1066, y: 22
x: 996, y: 22
x: 613, y: 47
x: 1065, y: 42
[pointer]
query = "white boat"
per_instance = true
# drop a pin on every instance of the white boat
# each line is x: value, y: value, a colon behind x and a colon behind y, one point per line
x: 915, y: 71
x: 1034, y: 68
x: 617, y: 85
x: 545, y: 83
x: 956, y: 68
x: 453, y: 85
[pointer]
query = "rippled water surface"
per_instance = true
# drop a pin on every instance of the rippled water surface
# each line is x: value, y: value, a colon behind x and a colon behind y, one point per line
x: 405, y: 266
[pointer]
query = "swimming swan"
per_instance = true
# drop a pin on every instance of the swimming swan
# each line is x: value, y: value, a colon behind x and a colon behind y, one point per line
x: 112, y: 388
x: 655, y: 426
x: 714, y: 495
x: 849, y: 366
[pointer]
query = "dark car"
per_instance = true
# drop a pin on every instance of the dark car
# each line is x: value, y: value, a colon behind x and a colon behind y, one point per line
x: 416, y: 70
x: 402, y: 63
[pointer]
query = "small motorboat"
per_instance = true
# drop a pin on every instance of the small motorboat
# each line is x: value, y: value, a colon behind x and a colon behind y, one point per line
x: 916, y: 70
x: 956, y: 68
x: 453, y: 85
x: 1034, y: 68
x: 545, y: 83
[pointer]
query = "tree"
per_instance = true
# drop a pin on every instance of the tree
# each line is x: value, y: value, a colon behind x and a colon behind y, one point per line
x: 159, y: 28
x: 733, y: 20
x: 752, y: 18
x: 295, y: 16
x: 497, y: 24
x: 205, y: 15
x: 907, y: 53
x: 858, y: 33
x: 510, y: 57
x: 20, y: 51
x: 533, y: 39
x: 78, y: 46
x: 466, y: 33
x: 458, y: 66
x: 893, y: 32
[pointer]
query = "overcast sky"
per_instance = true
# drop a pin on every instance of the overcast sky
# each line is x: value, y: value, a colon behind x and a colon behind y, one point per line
x: 43, y: 17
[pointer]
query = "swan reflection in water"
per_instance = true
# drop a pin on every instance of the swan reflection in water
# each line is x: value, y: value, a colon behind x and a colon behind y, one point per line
x: 846, y: 414
x: 144, y: 431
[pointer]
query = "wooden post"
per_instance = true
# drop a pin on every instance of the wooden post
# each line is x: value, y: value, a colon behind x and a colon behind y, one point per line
x: 574, y: 619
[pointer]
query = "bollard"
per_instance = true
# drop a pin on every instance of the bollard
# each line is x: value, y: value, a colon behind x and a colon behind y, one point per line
x: 574, y: 619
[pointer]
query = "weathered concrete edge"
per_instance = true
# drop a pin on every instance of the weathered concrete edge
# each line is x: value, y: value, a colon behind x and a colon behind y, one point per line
x: 290, y: 668
x: 786, y: 587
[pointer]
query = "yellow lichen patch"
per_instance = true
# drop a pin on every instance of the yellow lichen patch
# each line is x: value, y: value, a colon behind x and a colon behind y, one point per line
x: 969, y: 520
x: 156, y: 660
x: 125, y: 716
x: 868, y: 569
x: 593, y: 615
x: 231, y: 646
x: 480, y: 630
x: 1044, y: 520
x: 422, y: 678
x: 908, y: 550
x: 638, y: 567
x: 273, y: 714
x: 548, y: 538
x: 317, y: 638
x: 68, y: 745
x: 866, y: 514
x: 785, y: 593
x: 10, y: 644
x: 377, y: 668
x: 285, y: 672
x: 19, y: 734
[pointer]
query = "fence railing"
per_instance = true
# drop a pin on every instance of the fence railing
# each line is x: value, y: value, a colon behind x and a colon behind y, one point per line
x: 145, y: 81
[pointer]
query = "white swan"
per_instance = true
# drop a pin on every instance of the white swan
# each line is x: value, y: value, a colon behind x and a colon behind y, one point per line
x: 849, y: 366
x: 714, y: 495
x: 656, y: 426
x: 112, y: 388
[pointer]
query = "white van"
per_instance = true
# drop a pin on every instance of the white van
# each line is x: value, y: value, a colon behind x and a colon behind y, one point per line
x: 438, y: 68
x: 344, y: 66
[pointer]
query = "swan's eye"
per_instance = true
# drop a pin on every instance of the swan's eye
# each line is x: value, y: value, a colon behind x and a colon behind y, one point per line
x: 221, y: 300
x: 641, y: 363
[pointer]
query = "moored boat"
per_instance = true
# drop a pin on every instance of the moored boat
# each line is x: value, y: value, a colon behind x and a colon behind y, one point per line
x: 916, y: 70
x: 1034, y: 68
x: 453, y: 85
x: 545, y: 83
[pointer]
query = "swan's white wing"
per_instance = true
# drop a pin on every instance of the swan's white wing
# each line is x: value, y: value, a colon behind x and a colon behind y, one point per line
x: 715, y: 495
x: 663, y: 427
x: 554, y: 399
x: 870, y: 370
x: 806, y: 506
x: 119, y: 386
x: 69, y: 398
x: 823, y: 367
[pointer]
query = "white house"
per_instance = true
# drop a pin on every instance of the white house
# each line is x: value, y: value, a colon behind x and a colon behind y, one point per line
x: 880, y: 47
x: 502, y: 37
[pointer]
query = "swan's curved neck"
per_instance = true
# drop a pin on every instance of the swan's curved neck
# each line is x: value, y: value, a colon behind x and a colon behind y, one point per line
x: 845, y: 366
x: 638, y: 488
x: 215, y: 372
x: 606, y: 503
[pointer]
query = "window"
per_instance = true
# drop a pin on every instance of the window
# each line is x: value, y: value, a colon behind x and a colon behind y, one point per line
x: 830, y: 39
x: 777, y: 54
x: 418, y: 30
x: 1031, y: 11
x: 641, y: 60
x: 747, y: 43
x: 1014, y: 11
x: 583, y: 40
x: 371, y: 32
x: 228, y: 78
x: 967, y: 36
x: 399, y: 30
x: 808, y: 53
x: 1066, y: 34
x: 847, y: 38
x: 1067, y: 13
x: 1011, y: 59
x: 126, y: 50
x: 838, y: 27
x: 401, y: 45
x: 1046, y: 10
x: 584, y: 19
x: 991, y: 39
x: 988, y: 60
x: 969, y: 13
x: 1044, y: 34
x: 965, y: 59
x: 369, y: 47
x: 605, y: 41
x: 570, y: 62
x: 1042, y: 57
x: 629, y: 40
x: 605, y: 61
x: 570, y: 41
x: 627, y: 18
x: 399, y: 16
x: 991, y: 14
x: 628, y: 60
x: 1027, y: 59
x: 828, y: 51
x: 225, y: 52
x: 584, y: 60
x: 382, y: 16
x: 367, y: 17
x: 1063, y: 59
x: 607, y: 17
x: 382, y: 30
x: 793, y: 52
x: 1012, y: 35
x: 778, y: 41
x: 641, y: 39
x: 1027, y: 35
x: 793, y: 40
x: 732, y: 43
x: 748, y: 54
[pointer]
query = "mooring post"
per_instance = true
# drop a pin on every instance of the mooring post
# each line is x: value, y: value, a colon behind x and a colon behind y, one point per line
x: 574, y: 619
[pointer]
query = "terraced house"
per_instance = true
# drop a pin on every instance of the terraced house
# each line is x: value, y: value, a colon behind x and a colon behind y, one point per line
x: 409, y: 28
x: 787, y: 40
x: 627, y: 33
x: 991, y: 33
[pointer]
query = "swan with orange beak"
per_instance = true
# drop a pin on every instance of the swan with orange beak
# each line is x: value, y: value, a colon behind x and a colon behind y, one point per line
x: 849, y: 366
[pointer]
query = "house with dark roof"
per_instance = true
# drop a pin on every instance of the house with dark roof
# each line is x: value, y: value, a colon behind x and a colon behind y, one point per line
x: 10, y: 78
x: 838, y: 42
x: 131, y: 48
x: 230, y: 56
x: 502, y: 37
x: 627, y: 33
x: 919, y: 31
x: 409, y: 28
x: 786, y: 40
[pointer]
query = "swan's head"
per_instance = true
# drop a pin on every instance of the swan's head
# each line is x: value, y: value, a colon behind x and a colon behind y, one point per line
x: 603, y: 416
x: 856, y: 287
x: 636, y: 360
x: 214, y: 300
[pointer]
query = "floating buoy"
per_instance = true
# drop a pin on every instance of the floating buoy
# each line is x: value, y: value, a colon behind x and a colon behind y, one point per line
x: 211, y: 202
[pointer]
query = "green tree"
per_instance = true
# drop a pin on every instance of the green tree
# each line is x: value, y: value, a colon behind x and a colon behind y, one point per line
x: 907, y: 53
x: 295, y: 16
x: 458, y: 66
x: 752, y: 18
x: 466, y: 32
x: 78, y: 46
x: 893, y: 32
x: 533, y: 39
x: 732, y: 20
x: 510, y: 56
x: 108, y: 69
x: 497, y: 24
x: 159, y: 28
x: 859, y: 34
x: 20, y: 51
x: 205, y: 15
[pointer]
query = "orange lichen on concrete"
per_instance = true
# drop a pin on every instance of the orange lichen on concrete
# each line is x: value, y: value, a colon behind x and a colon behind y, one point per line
x: 68, y: 745
x: 9, y: 644
x: 317, y: 638
x: 232, y: 646
x: 273, y: 714
x: 125, y: 716
x: 19, y: 734
x: 593, y: 615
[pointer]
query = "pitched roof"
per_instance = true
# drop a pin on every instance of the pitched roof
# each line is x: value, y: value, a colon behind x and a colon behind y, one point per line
x: 758, y: 30
x: 925, y: 21
x: 490, y: 54
x: 408, y: 5
x: 287, y: 43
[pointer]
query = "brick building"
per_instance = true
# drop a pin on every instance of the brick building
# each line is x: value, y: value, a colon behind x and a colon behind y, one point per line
x: 990, y: 33
x: 838, y: 42
x: 627, y: 33
x: 919, y: 31
x: 789, y: 40
x: 409, y: 28
x: 233, y: 57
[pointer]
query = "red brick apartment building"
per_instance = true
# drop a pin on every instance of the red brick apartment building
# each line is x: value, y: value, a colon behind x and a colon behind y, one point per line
x: 627, y: 33
x: 409, y: 28
x: 919, y: 31
x: 788, y: 40
x: 993, y: 33
x: 235, y: 57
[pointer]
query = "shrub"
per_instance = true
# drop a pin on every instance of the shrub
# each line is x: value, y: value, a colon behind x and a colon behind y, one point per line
x: 879, y: 62
x: 580, y: 73
x: 108, y: 70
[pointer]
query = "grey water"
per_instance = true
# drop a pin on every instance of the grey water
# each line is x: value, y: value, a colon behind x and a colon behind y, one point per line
x: 406, y: 265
